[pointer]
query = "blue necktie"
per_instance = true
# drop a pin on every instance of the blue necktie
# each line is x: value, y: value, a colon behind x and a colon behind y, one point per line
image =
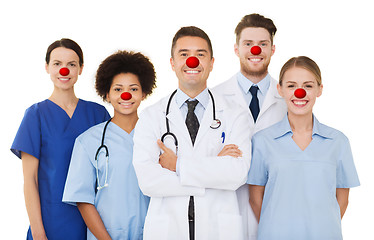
x: 254, y: 105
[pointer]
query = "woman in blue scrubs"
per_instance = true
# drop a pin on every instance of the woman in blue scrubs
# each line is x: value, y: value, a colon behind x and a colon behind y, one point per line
x: 45, y: 140
x: 107, y: 193
x: 301, y: 170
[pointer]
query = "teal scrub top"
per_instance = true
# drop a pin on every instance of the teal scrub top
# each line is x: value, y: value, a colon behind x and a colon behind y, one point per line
x: 121, y: 205
x: 48, y: 133
x: 300, y: 186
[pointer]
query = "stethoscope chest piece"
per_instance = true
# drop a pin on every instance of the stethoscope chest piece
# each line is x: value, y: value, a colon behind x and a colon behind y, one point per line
x: 216, y: 123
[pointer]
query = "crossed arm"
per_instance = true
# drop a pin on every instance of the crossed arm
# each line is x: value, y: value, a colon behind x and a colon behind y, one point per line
x: 168, y: 159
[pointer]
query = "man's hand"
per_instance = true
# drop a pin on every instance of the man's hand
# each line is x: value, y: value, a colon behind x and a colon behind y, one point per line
x: 168, y: 159
x: 231, y: 150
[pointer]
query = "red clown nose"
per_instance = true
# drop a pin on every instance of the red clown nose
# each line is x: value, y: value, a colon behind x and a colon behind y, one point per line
x: 126, y: 96
x: 192, y: 62
x: 64, y: 71
x: 300, y: 93
x: 255, y: 50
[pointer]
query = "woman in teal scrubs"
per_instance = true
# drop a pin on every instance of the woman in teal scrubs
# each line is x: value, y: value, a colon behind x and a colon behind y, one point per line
x: 106, y: 190
x: 45, y: 140
x: 301, y: 170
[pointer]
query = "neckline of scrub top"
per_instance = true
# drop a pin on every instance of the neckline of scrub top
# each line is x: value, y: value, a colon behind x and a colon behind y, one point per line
x: 67, y: 115
x: 284, y: 128
x: 131, y: 134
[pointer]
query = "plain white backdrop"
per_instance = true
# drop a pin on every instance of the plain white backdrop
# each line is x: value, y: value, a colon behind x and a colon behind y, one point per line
x: 338, y: 35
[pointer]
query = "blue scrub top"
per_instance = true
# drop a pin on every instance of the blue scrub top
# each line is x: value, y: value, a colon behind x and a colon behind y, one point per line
x: 48, y: 133
x: 121, y: 205
x: 300, y: 186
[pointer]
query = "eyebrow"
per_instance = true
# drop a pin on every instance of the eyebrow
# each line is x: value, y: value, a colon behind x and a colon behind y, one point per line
x: 261, y: 41
x: 55, y: 60
x: 133, y: 84
x: 303, y: 82
x: 188, y: 50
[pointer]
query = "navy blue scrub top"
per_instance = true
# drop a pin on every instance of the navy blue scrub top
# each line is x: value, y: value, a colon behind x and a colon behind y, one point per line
x: 48, y: 133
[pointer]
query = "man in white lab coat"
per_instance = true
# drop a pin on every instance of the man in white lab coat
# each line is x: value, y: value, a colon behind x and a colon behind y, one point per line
x: 192, y: 186
x: 254, y: 47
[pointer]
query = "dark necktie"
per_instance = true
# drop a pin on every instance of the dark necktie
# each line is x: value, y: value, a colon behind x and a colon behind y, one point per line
x: 254, y: 106
x: 192, y: 124
x: 191, y: 120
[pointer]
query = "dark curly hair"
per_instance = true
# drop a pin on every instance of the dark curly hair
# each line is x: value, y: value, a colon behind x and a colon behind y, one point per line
x: 125, y: 62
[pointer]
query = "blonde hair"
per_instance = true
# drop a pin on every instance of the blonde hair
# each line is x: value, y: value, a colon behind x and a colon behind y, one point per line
x: 302, y: 62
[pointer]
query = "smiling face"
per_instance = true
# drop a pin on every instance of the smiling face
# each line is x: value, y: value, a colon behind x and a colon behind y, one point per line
x: 254, y: 67
x: 295, y: 78
x: 192, y: 79
x: 60, y: 58
x: 125, y: 82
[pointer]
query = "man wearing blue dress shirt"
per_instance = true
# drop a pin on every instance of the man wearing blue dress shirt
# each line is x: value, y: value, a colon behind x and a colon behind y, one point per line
x: 253, y: 89
x: 192, y: 186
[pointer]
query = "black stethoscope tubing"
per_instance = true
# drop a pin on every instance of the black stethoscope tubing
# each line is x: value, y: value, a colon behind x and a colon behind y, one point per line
x: 218, y: 122
x: 102, y: 142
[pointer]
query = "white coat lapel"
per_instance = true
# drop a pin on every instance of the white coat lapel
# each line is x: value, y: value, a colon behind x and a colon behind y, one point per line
x: 271, y: 98
x: 208, y: 116
x: 176, y: 121
x: 232, y: 92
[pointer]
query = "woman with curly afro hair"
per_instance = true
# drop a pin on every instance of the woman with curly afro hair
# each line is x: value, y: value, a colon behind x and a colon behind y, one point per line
x: 102, y: 182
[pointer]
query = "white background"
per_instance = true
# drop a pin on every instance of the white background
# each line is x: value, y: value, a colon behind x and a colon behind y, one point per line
x: 338, y: 35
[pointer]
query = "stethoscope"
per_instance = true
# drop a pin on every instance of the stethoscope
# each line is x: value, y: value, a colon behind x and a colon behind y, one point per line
x: 102, y: 146
x: 216, y: 123
x: 124, y: 96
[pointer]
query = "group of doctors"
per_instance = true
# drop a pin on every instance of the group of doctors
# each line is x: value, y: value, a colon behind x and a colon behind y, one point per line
x: 191, y: 166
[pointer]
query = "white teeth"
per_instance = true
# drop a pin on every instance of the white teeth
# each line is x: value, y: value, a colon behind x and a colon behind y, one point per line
x: 126, y: 104
x: 192, y: 71
x: 64, y: 79
x: 255, y: 59
x: 299, y: 102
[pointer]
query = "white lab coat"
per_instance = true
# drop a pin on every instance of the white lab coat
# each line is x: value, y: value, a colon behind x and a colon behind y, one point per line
x: 272, y: 111
x: 212, y: 180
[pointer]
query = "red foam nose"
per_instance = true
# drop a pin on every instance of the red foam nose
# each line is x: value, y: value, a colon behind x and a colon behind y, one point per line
x: 192, y: 62
x: 64, y: 71
x: 300, y: 93
x: 126, y: 96
x: 255, y: 50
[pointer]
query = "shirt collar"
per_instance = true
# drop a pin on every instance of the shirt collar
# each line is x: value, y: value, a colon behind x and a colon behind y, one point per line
x: 245, y: 83
x: 318, y: 129
x: 203, y: 98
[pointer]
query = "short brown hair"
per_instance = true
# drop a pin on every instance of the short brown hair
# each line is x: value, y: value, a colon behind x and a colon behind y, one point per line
x: 257, y: 21
x: 301, y: 62
x: 191, y: 32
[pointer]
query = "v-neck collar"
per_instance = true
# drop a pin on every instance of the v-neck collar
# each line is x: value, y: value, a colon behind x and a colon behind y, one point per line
x: 66, y: 114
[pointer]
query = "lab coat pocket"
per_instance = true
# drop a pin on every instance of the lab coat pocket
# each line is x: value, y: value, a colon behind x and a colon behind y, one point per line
x: 216, y: 142
x: 156, y: 227
x: 230, y: 227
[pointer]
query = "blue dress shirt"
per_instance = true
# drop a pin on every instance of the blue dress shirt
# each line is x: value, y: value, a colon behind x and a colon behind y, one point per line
x: 300, y: 186
x: 203, y: 98
x: 245, y: 84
